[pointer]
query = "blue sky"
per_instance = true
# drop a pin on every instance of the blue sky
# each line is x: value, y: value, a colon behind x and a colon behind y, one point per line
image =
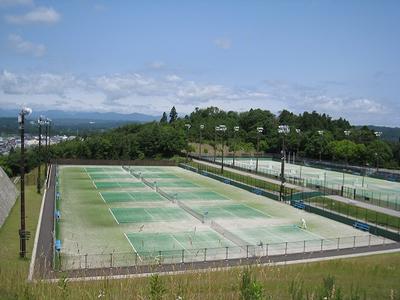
x: 338, y: 57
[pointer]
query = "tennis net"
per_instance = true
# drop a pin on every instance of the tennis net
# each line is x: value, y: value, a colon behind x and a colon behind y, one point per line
x: 229, y: 235
x: 148, y: 183
x: 166, y: 195
x: 195, y: 214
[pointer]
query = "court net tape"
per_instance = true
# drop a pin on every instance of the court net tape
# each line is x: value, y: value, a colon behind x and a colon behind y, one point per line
x: 148, y: 183
x: 229, y: 235
x: 166, y: 195
x: 195, y: 214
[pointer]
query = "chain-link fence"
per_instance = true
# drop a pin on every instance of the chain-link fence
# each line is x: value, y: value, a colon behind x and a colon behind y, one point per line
x: 70, y: 261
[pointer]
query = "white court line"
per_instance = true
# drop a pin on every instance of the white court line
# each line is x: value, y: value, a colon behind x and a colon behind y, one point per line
x: 183, y: 247
x: 113, y: 215
x: 134, y: 249
x: 102, y: 197
x: 256, y: 209
x: 95, y: 186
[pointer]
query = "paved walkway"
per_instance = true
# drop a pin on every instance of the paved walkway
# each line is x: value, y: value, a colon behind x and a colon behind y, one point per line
x: 267, y: 179
x: 383, y: 210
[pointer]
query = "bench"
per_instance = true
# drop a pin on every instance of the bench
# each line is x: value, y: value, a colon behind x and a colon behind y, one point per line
x: 257, y: 191
x: 58, y: 245
x: 299, y: 204
x: 227, y: 181
x: 361, y: 226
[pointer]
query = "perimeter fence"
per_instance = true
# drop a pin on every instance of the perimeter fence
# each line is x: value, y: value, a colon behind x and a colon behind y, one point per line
x: 382, y: 199
x: 69, y: 261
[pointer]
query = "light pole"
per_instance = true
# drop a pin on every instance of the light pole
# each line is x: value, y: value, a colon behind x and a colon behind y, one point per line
x: 215, y: 143
x: 347, y: 134
x: 187, y: 141
x: 235, y: 129
x: 378, y: 134
x: 284, y: 130
x: 23, y: 234
x: 298, y: 131
x: 40, y: 122
x: 47, y: 122
x: 222, y: 129
x: 321, y: 133
x: 201, y: 138
x: 259, y: 131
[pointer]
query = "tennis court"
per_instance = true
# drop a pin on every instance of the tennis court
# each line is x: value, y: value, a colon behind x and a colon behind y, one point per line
x: 235, y: 211
x: 142, y: 215
x: 365, y: 186
x: 192, y: 241
x: 199, y: 195
x: 117, y: 184
x: 135, y: 222
x: 110, y: 197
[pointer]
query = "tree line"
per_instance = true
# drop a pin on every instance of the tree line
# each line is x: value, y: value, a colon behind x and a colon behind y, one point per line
x: 170, y: 137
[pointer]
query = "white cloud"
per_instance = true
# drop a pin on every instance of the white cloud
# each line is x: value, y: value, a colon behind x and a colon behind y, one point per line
x: 37, y: 15
x: 26, y: 47
x: 134, y: 92
x: 223, y: 43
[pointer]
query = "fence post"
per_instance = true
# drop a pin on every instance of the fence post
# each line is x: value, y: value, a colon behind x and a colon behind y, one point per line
x: 86, y: 261
x: 322, y: 244
x: 304, y: 246
x: 111, y: 260
x: 183, y: 255
x: 354, y: 242
x: 338, y: 243
x: 136, y: 257
x: 369, y: 240
x: 266, y: 250
x: 247, y: 251
x: 226, y: 253
x: 205, y: 254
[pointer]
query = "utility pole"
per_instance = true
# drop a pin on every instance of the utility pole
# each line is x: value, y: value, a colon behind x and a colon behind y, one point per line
x: 187, y: 141
x: 235, y: 129
x: 321, y: 133
x: 23, y: 234
x: 201, y: 140
x: 259, y: 131
x: 284, y: 130
x: 40, y: 123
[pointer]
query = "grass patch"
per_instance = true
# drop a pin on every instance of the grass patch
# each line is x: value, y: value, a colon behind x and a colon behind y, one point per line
x: 357, y: 212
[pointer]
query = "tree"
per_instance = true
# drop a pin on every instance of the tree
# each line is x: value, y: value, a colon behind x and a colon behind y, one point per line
x: 173, y: 115
x: 164, y: 118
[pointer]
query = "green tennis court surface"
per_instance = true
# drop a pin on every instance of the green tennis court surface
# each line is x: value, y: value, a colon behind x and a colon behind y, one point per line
x: 152, y: 242
x: 180, y: 183
x: 95, y: 176
x: 142, y: 215
x: 159, y: 175
x: 130, y: 196
x: 230, y: 211
x: 147, y: 169
x: 103, y: 169
x: 117, y: 184
x: 201, y: 195
x: 275, y: 234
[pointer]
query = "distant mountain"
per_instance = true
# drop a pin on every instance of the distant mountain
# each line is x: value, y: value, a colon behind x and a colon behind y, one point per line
x: 94, y: 116
x: 388, y: 133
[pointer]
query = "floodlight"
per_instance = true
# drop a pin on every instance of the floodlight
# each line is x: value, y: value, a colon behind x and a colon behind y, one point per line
x: 347, y: 132
x: 26, y: 111
x: 201, y: 126
x: 298, y: 130
x: 260, y: 129
x: 378, y: 133
x: 236, y: 128
x: 222, y: 128
x: 285, y: 129
x: 320, y: 132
